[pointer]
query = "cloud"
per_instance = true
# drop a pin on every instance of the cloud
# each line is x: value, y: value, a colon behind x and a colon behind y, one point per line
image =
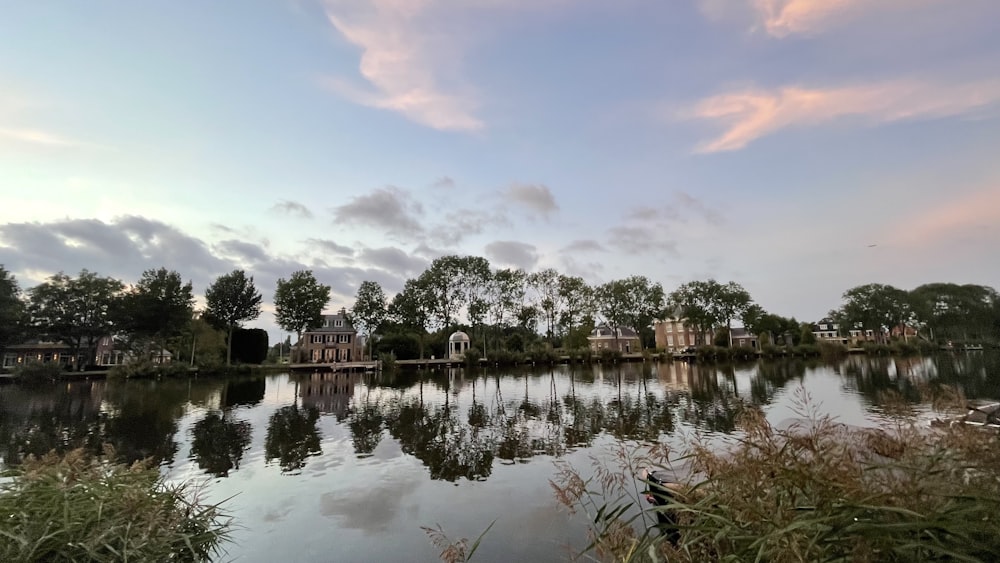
x: 751, y: 114
x: 781, y: 18
x: 393, y: 260
x: 38, y: 137
x: 584, y: 245
x: 244, y: 252
x: 445, y: 182
x: 459, y: 224
x: 946, y: 222
x: 410, y: 53
x: 389, y: 209
x: 292, y: 208
x: 537, y: 198
x: 639, y: 239
x: 330, y: 246
x: 512, y: 253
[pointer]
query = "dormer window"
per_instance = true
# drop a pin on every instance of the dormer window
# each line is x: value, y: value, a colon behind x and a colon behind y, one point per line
x: 338, y: 323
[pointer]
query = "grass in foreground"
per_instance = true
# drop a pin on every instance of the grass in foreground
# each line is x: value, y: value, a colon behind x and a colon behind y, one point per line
x: 820, y: 491
x: 80, y: 508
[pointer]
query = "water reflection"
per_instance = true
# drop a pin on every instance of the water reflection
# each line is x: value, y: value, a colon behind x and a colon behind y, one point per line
x: 292, y: 437
x: 218, y: 442
x: 458, y: 424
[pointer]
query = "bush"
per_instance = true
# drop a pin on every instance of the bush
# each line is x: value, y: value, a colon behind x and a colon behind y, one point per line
x: 146, y: 369
x: 79, y: 508
x: 609, y: 356
x: 904, y: 349
x: 506, y: 358
x: 876, y: 349
x: 771, y: 351
x: 544, y: 356
x: 472, y: 356
x: 829, y: 349
x: 581, y: 355
x: 743, y: 353
x: 388, y: 360
x: 806, y: 350
x: 38, y: 372
x: 403, y: 346
x: 249, y: 345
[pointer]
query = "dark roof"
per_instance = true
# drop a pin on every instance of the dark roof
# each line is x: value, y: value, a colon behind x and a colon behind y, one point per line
x: 604, y: 331
x: 741, y: 332
x: 39, y: 345
x: 328, y: 325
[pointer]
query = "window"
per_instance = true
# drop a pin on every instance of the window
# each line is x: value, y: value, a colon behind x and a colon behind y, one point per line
x: 338, y: 322
x: 670, y: 340
x: 317, y: 338
x: 344, y: 338
x: 330, y: 338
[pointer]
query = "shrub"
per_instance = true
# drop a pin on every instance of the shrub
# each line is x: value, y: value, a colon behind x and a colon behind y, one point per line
x: 79, y: 508
x: 506, y: 358
x: 904, y: 349
x: 472, y: 356
x: 806, y: 350
x: 544, y: 356
x: 609, y: 356
x: 38, y: 372
x: 388, y: 360
x: 829, y: 349
x: 771, y: 351
x: 876, y: 349
x: 249, y: 345
x: 743, y: 353
x: 145, y: 369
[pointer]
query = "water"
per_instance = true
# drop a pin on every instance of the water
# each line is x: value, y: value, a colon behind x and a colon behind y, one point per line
x: 336, y: 467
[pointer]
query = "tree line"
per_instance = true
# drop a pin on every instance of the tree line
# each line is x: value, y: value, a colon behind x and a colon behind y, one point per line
x: 503, y: 309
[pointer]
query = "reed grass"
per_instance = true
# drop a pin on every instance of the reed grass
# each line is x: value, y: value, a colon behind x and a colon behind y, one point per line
x: 816, y: 491
x: 80, y: 508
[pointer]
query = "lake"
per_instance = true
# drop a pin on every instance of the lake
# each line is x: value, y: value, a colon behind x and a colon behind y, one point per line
x: 338, y: 467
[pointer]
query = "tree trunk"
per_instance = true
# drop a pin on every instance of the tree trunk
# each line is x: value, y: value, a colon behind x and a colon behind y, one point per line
x: 229, y: 347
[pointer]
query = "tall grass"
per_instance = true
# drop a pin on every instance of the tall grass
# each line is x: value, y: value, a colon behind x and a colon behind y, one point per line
x: 816, y: 491
x: 79, y: 508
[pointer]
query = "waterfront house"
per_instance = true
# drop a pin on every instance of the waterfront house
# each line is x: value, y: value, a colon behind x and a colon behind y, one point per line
x: 743, y: 338
x: 622, y: 339
x: 826, y: 329
x: 40, y: 351
x: 335, y: 340
x: 675, y: 333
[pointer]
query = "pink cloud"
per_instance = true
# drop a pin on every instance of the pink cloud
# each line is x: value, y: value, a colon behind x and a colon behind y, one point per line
x: 781, y: 18
x: 751, y: 114
x: 948, y: 221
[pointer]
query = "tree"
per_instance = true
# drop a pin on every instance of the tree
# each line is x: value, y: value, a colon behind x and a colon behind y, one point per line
x: 876, y: 307
x: 158, y: 307
x: 232, y: 300
x: 633, y: 302
x: 12, y: 309
x: 78, y: 310
x: 578, y: 303
x: 411, y: 310
x: 952, y: 311
x: 549, y: 301
x: 613, y: 304
x: 299, y: 303
x: 449, y: 284
x: 504, y: 296
x: 370, y: 310
x: 709, y: 304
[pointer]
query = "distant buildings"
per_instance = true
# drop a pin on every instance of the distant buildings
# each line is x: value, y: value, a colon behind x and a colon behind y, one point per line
x: 674, y: 334
x: 622, y: 339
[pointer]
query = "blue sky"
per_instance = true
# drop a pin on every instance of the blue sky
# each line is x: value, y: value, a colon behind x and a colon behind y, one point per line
x: 770, y: 142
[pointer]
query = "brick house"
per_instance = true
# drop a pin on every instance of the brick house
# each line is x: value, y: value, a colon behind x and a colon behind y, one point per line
x: 335, y: 340
x: 826, y: 329
x: 40, y: 351
x: 675, y: 334
x: 743, y: 338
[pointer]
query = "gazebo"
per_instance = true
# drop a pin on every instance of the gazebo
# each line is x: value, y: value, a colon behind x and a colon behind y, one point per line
x: 458, y: 345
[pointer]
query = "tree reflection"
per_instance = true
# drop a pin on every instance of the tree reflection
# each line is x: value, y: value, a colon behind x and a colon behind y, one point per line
x: 246, y: 392
x: 365, y: 423
x: 292, y: 437
x: 219, y: 442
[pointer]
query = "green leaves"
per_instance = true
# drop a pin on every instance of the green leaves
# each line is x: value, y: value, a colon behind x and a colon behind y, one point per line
x: 299, y: 302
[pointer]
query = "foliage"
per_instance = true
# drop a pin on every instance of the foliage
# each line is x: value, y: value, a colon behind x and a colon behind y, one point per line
x: 876, y: 307
x: 146, y: 369
x: 458, y: 551
x: 709, y: 304
x: 12, y: 310
x: 388, y: 361
x: 449, y: 284
x: 370, y: 309
x: 632, y: 302
x: 829, y: 349
x: 609, y: 356
x: 299, y: 302
x: 78, y: 310
x: 410, y: 310
x: 218, y: 443
x: 232, y: 300
x: 80, y: 508
x: 402, y: 346
x: 250, y: 345
x: 202, y: 340
x: 158, y: 307
x: 815, y: 491
x: 39, y: 372
x: 956, y: 312
x: 292, y: 437
x: 472, y: 357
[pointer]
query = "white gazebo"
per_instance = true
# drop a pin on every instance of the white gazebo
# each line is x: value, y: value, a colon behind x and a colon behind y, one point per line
x: 458, y: 345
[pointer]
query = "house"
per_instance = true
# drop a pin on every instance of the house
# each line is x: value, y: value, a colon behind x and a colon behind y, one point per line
x: 674, y: 334
x: 904, y: 331
x: 335, y: 340
x: 110, y: 352
x: 826, y: 329
x: 40, y: 351
x: 743, y: 338
x: 622, y: 339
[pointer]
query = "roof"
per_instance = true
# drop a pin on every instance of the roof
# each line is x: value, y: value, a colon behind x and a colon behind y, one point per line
x: 329, y: 322
x: 459, y: 336
x: 604, y: 331
x: 741, y: 332
x: 38, y: 345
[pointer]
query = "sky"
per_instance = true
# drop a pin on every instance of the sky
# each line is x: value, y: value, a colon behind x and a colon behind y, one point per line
x: 797, y: 147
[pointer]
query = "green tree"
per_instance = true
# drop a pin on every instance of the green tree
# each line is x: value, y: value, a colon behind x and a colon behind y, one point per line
x: 578, y: 301
x: 448, y: 284
x: 299, y: 303
x: 232, y: 300
x: 876, y: 307
x: 12, y: 309
x: 710, y: 304
x: 504, y: 296
x: 410, y: 309
x: 613, y: 304
x: 158, y: 307
x: 549, y: 301
x: 954, y: 312
x: 370, y: 310
x: 78, y: 310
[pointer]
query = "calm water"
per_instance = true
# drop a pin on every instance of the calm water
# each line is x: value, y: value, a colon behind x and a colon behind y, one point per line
x: 331, y: 467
